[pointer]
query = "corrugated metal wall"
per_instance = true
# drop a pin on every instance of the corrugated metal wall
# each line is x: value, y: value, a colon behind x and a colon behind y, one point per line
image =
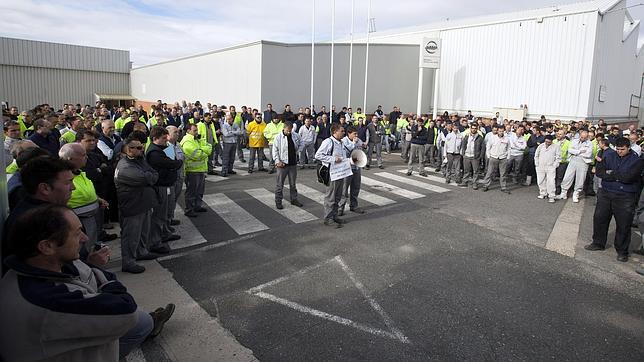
x: 62, y: 56
x: 33, y: 73
x: 545, y: 65
x: 27, y: 87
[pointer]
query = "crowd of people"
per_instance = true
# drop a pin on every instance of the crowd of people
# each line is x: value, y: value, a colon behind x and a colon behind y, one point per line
x: 77, y: 171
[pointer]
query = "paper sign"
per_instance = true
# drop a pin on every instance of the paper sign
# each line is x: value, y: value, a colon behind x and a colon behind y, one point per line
x: 340, y: 170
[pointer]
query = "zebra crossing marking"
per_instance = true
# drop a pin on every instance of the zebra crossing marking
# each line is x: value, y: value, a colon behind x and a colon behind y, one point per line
x: 318, y: 196
x: 234, y: 215
x: 295, y: 214
x: 429, y: 177
x: 412, y: 182
x: 391, y: 188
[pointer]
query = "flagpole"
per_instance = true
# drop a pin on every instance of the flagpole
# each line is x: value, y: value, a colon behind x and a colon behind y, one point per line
x: 366, y: 66
x: 332, y: 49
x: 312, y: 52
x: 353, y: 6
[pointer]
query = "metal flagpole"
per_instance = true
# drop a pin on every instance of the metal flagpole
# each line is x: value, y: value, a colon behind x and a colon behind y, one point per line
x: 312, y: 52
x: 366, y: 66
x: 353, y: 6
x: 332, y: 48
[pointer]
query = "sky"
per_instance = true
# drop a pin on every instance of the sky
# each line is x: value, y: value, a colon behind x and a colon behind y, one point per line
x: 159, y: 30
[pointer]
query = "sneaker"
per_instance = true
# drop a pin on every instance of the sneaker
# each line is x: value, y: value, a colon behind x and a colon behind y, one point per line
x: 622, y: 258
x: 462, y: 184
x: 232, y: 172
x: 541, y: 197
x: 505, y: 191
x: 475, y: 187
x: 485, y: 188
x: 367, y: 167
x: 191, y: 214
x: 408, y: 173
x: 296, y: 203
x: 575, y: 197
x: 551, y: 200
x: 250, y: 171
x: 562, y: 196
x: 160, y: 317
x: 279, y: 205
x: 243, y: 160
x: 339, y: 221
x: 133, y: 269
x: 594, y: 247
x: 201, y: 209
x: 381, y: 167
x: 331, y: 222
x: 357, y: 210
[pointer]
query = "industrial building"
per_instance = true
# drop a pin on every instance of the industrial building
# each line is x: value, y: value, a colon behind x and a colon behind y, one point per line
x: 565, y: 62
x: 35, y: 72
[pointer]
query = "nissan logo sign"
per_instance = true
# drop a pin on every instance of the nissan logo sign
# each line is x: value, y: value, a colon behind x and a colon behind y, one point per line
x: 431, y: 47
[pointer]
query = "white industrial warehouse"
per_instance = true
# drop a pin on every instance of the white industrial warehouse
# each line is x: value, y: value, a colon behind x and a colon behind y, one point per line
x: 568, y: 62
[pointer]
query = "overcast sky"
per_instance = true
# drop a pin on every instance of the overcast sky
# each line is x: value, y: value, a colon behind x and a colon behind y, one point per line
x: 158, y: 30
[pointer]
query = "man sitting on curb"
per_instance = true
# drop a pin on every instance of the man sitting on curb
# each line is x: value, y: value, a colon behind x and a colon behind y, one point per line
x: 60, y: 308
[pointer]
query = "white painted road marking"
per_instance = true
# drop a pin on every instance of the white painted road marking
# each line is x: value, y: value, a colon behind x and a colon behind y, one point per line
x: 375, y: 199
x: 295, y: 214
x: 234, y: 215
x: 318, y: 196
x: 390, y: 188
x: 563, y: 237
x: 394, y: 332
x: 412, y: 182
x: 428, y: 177
x: 309, y: 193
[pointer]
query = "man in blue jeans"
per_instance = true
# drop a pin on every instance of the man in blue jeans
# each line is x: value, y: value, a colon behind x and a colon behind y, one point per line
x: 59, y: 307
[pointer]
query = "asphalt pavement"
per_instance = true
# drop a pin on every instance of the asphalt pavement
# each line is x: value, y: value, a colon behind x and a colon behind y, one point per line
x: 430, y: 272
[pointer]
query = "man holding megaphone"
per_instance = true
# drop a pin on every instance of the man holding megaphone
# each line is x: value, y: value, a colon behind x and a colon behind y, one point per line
x: 353, y: 145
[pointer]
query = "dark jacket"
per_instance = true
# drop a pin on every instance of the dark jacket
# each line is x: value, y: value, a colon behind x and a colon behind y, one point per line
x: 419, y: 137
x: 620, y: 174
x: 324, y: 131
x: 49, y: 143
x: 98, y: 171
x: 164, y: 165
x: 134, y: 180
x: 78, y: 314
x: 478, y: 145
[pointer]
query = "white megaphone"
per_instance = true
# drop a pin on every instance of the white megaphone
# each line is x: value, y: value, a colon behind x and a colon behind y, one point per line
x: 358, y: 158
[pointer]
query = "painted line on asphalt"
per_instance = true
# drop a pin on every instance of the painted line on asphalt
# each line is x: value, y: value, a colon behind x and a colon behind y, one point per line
x: 318, y: 196
x: 390, y: 188
x: 234, y: 215
x: 428, y: 177
x: 309, y: 193
x: 412, y: 182
x: 563, y: 237
x: 295, y: 214
x: 385, y: 317
x: 394, y: 333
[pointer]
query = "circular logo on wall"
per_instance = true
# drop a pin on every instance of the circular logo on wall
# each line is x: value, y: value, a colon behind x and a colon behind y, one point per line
x: 431, y: 47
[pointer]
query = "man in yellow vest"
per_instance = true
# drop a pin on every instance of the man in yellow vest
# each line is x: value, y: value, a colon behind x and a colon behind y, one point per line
x: 256, y: 143
x: 73, y: 125
x: 196, y: 151
x: 84, y: 201
x: 272, y: 129
x: 120, y: 122
x: 207, y: 132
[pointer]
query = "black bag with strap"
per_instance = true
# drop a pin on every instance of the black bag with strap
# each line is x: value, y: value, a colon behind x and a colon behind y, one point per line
x: 324, y: 176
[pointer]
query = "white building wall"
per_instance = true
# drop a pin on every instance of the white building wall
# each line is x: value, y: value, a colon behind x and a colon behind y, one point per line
x: 227, y: 76
x: 544, y: 65
x: 616, y: 67
x: 393, y: 76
